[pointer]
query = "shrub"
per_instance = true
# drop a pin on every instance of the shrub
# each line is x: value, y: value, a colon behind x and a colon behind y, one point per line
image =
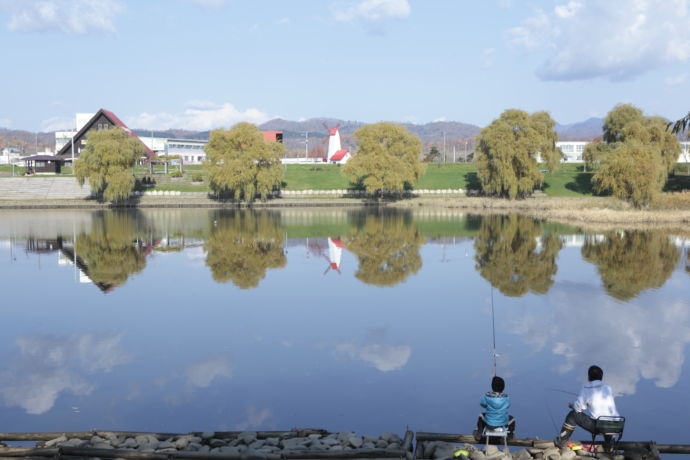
x: 197, y: 177
x: 176, y: 173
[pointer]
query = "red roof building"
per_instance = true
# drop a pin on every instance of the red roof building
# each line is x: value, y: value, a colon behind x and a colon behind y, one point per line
x: 103, y: 119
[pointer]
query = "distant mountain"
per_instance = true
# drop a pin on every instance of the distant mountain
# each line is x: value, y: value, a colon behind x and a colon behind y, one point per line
x: 583, y: 130
x: 27, y: 142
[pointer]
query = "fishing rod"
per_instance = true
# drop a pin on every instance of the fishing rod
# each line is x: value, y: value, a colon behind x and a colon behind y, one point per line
x: 563, y: 391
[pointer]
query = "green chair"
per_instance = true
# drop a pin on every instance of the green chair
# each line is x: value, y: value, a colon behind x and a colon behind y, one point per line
x: 611, y: 428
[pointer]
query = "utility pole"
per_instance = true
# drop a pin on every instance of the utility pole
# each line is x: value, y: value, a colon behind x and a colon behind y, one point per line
x: 306, y: 145
x: 453, y: 153
x: 465, y: 150
x: 444, y: 146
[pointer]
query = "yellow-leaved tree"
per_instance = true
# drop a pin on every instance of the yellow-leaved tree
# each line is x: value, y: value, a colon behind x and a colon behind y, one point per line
x: 241, y: 164
x: 387, y: 159
x: 108, y: 162
x: 509, y: 150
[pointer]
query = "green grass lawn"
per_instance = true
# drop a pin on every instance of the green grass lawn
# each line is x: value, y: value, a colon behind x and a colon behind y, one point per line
x: 568, y: 180
x: 314, y: 177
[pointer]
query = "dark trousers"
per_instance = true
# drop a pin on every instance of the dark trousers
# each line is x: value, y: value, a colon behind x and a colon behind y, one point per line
x: 574, y: 419
x: 481, y: 424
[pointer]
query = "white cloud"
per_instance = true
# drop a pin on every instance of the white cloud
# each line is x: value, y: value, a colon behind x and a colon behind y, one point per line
x: 48, y: 366
x: 203, y: 373
x: 68, y: 16
x: 383, y: 357
x: 57, y: 124
x: 675, y: 80
x: 439, y: 119
x: 631, y: 341
x: 5, y: 123
x: 254, y: 418
x: 598, y: 38
x: 284, y: 21
x: 371, y: 10
x: 198, y: 117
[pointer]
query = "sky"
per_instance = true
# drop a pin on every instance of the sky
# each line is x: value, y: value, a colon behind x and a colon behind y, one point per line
x: 206, y: 64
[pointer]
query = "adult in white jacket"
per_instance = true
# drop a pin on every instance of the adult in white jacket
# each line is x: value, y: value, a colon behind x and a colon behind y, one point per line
x: 595, y: 400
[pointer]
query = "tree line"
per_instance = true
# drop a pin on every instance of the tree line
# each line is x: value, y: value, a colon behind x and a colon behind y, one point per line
x: 632, y: 160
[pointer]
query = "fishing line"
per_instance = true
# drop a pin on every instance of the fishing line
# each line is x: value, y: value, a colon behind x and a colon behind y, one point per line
x: 493, y: 327
x: 548, y: 410
x: 562, y: 391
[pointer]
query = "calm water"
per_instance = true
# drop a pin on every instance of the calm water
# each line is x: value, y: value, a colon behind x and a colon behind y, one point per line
x: 175, y: 320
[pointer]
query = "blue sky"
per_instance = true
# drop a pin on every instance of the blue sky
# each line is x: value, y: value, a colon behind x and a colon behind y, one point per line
x: 202, y: 64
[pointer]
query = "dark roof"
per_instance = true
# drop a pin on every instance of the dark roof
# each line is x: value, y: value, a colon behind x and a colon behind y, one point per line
x: 115, y: 121
x: 41, y: 158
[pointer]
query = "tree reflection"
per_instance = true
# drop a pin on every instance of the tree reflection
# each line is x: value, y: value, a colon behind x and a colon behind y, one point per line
x: 630, y: 262
x: 387, y: 246
x: 509, y: 257
x: 111, y: 252
x: 243, y: 245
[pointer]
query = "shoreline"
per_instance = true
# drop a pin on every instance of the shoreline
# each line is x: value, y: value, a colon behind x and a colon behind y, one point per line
x: 577, y: 211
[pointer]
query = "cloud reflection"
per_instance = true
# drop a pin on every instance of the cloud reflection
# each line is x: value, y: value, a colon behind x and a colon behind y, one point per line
x: 203, y: 373
x: 49, y: 365
x: 631, y: 341
x: 384, y: 357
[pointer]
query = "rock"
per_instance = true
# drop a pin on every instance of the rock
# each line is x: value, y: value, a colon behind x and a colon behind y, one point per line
x: 294, y: 443
x: 381, y: 444
x: 388, y: 437
x: 522, y: 454
x: 204, y: 449
x: 207, y: 434
x: 129, y: 443
x: 317, y: 445
x: 96, y: 439
x: 477, y: 455
x: 74, y: 442
x: 251, y: 454
x: 491, y: 450
x: 192, y: 446
x: 271, y: 441
x: 535, y: 451
x: 552, y: 453
x: 393, y: 446
x: 443, y: 450
x: 165, y: 445
x: 368, y: 445
x: 247, y: 437
x: 194, y: 439
x: 568, y: 454
x: 256, y: 445
x: 181, y: 443
x: 356, y: 442
x: 314, y: 436
x: 371, y: 439
x: 329, y: 441
x: 343, y: 436
x: 336, y: 447
x: 141, y: 439
x: 228, y: 450
x: 219, y: 442
x: 102, y: 445
x: 55, y: 441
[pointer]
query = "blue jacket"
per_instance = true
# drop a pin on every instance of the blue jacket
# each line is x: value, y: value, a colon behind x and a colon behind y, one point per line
x: 496, y: 405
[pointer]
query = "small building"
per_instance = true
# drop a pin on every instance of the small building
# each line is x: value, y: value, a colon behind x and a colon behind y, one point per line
x: 42, y: 164
x: 273, y: 136
x: 572, y: 150
x: 101, y: 120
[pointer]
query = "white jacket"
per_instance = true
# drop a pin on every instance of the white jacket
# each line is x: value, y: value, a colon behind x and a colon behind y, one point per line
x: 596, y: 399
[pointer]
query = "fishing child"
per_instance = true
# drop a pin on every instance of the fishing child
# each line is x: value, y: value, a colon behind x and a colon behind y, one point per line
x: 496, y: 404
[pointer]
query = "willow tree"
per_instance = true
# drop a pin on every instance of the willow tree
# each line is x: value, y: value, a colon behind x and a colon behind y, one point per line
x: 509, y: 150
x: 107, y: 162
x: 509, y: 257
x: 635, y: 157
x: 632, y: 261
x: 387, y: 159
x: 111, y: 251
x: 243, y: 246
x: 387, y: 247
x: 241, y: 164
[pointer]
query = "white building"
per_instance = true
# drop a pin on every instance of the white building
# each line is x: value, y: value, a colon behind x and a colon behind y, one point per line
x: 63, y: 137
x: 9, y: 155
x: 574, y: 150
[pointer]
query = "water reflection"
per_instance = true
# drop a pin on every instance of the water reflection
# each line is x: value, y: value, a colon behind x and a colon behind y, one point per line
x: 49, y: 365
x: 632, y: 261
x: 387, y: 246
x: 509, y: 256
x: 113, y: 250
x: 243, y: 245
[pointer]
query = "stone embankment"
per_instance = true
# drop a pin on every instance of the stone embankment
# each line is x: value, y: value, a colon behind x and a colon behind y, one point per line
x: 245, y: 445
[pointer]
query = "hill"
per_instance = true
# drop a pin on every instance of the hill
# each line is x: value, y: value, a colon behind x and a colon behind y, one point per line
x: 583, y: 130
